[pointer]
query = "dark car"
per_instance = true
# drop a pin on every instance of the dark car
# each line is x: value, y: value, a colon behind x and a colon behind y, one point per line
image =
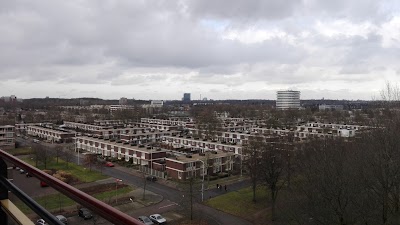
x: 85, y: 213
x: 151, y: 178
x: 145, y: 220
x: 28, y: 174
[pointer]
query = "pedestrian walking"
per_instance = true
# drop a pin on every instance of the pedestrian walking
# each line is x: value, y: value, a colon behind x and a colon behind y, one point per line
x: 225, y: 187
x: 217, y: 186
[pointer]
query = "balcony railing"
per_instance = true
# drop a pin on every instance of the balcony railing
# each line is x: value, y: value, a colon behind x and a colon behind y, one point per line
x: 109, y: 213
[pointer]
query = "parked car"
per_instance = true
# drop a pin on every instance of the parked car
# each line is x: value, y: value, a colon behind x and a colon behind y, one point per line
x: 41, y: 222
x: 145, y: 220
x: 85, y: 213
x: 158, y: 219
x: 36, y: 141
x: 62, y: 218
x: 21, y: 171
x: 109, y: 164
x: 43, y: 184
x: 28, y: 174
x: 151, y: 178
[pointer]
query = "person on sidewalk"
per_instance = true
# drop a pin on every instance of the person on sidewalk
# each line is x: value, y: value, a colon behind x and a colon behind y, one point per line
x: 217, y: 186
x: 225, y: 187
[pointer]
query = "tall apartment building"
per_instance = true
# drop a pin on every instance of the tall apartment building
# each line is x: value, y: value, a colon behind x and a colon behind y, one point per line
x: 123, y: 101
x: 7, y: 137
x: 186, y: 97
x: 287, y: 99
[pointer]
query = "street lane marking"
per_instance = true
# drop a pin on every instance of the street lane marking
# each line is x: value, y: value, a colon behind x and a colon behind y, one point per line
x: 165, y: 206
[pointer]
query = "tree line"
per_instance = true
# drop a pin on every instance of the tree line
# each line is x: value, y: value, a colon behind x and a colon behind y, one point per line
x: 331, y: 180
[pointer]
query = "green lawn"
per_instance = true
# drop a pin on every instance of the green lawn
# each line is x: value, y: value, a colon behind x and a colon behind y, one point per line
x: 240, y: 202
x: 79, y: 172
x: 56, y: 201
x: 20, y: 151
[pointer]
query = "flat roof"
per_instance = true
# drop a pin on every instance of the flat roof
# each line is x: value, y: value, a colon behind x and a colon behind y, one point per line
x: 52, y: 130
x: 115, y: 143
x: 201, y: 140
x: 197, y: 157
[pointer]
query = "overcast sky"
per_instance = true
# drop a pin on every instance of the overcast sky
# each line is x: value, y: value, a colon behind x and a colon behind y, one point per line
x: 232, y: 49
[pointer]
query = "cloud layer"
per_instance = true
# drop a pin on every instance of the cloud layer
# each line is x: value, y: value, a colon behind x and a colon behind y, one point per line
x: 220, y: 49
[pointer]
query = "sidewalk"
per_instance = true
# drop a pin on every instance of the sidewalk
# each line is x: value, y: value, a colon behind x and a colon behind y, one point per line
x: 232, y: 180
x: 137, y: 173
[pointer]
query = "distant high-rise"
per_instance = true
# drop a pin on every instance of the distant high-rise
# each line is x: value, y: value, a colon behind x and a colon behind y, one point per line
x: 186, y: 97
x: 123, y: 101
x: 287, y: 99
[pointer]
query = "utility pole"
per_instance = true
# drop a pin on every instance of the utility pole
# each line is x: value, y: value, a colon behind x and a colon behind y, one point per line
x: 116, y: 187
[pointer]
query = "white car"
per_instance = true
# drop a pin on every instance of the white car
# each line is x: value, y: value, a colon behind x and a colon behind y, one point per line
x: 158, y: 219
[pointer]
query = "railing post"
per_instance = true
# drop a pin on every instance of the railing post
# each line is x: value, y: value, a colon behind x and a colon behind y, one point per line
x: 3, y: 191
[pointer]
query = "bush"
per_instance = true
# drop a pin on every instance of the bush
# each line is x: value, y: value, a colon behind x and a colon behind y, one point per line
x: 58, y: 176
x: 222, y: 175
x: 63, y: 176
x: 213, y: 177
x: 48, y: 172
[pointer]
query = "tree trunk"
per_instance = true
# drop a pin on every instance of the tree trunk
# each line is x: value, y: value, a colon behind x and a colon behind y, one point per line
x: 254, y: 191
x: 273, y: 198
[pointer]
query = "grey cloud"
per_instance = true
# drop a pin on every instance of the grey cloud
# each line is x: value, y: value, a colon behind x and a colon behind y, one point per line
x: 120, y: 43
x: 244, y: 10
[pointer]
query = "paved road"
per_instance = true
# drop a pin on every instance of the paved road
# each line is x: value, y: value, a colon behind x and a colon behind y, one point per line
x: 175, y: 197
x: 172, y: 197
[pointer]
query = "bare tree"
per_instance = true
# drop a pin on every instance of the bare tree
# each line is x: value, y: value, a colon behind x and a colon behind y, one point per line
x: 189, y: 187
x: 42, y: 155
x: 67, y: 156
x: 90, y: 160
x: 253, y: 161
x: 272, y: 169
x: 57, y: 151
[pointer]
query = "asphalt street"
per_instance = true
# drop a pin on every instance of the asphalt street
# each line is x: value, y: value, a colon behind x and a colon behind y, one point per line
x: 172, y: 197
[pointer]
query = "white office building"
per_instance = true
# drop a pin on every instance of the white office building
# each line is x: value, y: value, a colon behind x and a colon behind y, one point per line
x: 288, y: 99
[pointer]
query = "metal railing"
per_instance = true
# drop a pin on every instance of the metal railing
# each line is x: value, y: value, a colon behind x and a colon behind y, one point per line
x: 106, y: 211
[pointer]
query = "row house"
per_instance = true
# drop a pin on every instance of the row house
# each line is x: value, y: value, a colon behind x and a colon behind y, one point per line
x: 169, y: 122
x: 327, y: 131
x: 108, y: 122
x: 182, y: 167
x: 232, y: 137
x: 117, y: 132
x: 304, y: 132
x: 21, y: 127
x: 336, y: 126
x: 237, y: 128
x: 271, y: 131
x: 82, y: 126
x: 7, y: 137
x: 140, y: 155
x: 196, y: 144
x: 50, y: 134
x: 157, y: 126
x: 146, y: 137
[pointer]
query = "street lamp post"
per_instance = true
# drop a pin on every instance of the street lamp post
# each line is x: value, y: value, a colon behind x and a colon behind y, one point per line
x: 116, y: 187
x: 202, y: 182
x: 151, y: 161
x: 75, y: 147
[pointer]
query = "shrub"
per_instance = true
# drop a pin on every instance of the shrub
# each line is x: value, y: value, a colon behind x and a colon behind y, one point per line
x: 222, y: 175
x: 64, y: 176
